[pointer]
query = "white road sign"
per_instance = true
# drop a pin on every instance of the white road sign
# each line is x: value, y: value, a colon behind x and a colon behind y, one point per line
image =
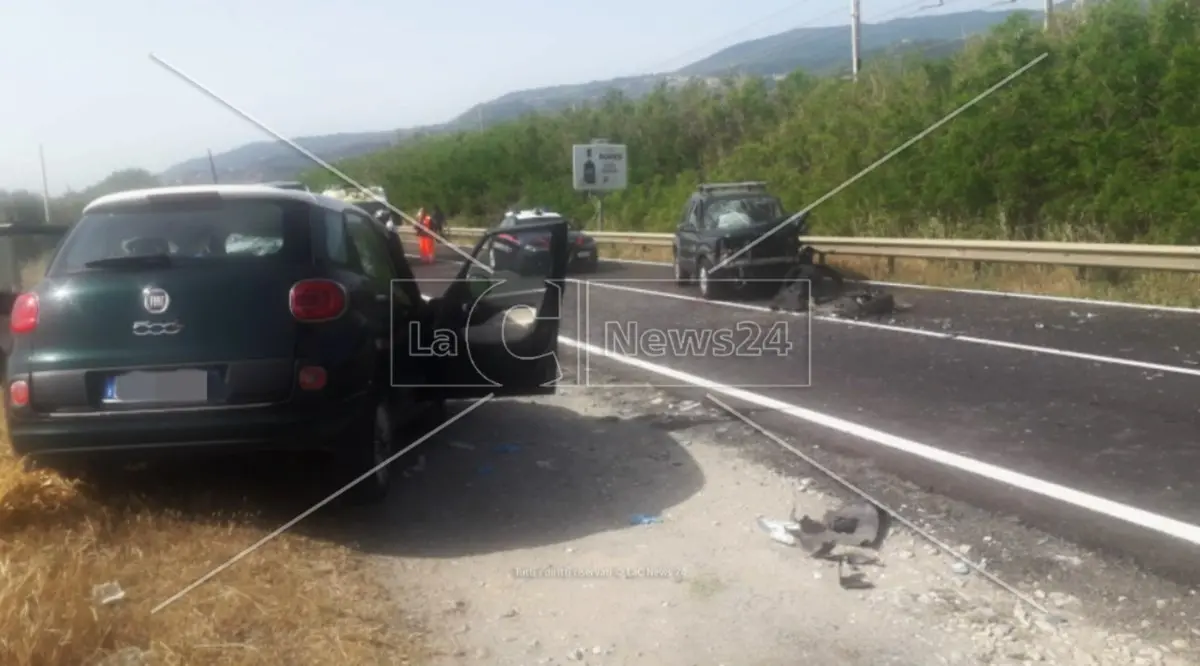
x: 599, y: 167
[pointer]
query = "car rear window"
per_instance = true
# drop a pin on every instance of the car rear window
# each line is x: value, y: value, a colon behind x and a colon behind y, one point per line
x: 530, y: 221
x: 209, y: 230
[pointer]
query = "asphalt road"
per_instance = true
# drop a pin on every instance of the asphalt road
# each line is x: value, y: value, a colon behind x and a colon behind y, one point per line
x: 1094, y: 399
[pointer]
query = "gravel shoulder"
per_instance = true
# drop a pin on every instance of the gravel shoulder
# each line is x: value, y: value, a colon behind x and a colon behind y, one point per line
x: 521, y: 544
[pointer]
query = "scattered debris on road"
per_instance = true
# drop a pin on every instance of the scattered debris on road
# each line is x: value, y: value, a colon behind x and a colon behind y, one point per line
x: 828, y: 296
x: 855, y: 525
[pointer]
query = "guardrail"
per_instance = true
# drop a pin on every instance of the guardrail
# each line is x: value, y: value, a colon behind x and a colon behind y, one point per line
x: 1185, y: 258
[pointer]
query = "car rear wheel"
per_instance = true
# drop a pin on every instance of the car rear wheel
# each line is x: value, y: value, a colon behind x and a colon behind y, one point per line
x: 682, y: 278
x: 709, y: 289
x: 370, y: 446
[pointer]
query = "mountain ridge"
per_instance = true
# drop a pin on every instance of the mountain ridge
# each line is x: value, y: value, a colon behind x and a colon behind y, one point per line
x: 819, y: 50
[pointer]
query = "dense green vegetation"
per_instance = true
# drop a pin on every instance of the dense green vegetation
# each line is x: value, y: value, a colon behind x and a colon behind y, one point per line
x: 1100, y: 141
x: 811, y: 49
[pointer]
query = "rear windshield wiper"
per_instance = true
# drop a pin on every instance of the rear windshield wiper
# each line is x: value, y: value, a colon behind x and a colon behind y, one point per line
x: 135, y: 261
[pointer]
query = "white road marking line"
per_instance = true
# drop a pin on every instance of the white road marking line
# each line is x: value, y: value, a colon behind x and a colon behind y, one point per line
x: 891, y: 511
x: 939, y: 335
x: 1094, y: 302
x: 1133, y: 515
x: 1038, y: 297
x: 1140, y: 517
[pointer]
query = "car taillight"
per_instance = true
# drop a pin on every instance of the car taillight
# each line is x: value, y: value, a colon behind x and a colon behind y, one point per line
x: 311, y: 378
x: 24, y: 317
x: 317, y: 300
x: 580, y: 240
x: 18, y: 393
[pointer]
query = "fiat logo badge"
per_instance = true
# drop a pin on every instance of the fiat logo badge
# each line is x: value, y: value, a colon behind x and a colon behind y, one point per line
x: 155, y: 300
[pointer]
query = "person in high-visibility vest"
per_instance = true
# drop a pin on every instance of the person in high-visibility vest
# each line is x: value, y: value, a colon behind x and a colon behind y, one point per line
x: 427, y: 243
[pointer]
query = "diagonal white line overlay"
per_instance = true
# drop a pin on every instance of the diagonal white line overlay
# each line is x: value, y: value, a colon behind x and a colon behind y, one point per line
x: 320, y: 162
x: 309, y: 511
x: 853, y: 179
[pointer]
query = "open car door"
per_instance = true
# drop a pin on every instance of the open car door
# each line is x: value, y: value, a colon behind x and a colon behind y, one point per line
x: 25, y: 253
x: 494, y: 330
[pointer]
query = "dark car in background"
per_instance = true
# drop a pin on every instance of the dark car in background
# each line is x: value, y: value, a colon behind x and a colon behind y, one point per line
x: 249, y: 317
x: 720, y: 219
x: 523, y: 248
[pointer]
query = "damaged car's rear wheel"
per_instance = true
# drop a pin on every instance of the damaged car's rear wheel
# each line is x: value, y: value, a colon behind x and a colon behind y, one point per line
x: 682, y: 277
x: 710, y: 289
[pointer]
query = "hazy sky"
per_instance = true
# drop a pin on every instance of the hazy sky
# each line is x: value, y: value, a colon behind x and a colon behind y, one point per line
x: 77, y: 77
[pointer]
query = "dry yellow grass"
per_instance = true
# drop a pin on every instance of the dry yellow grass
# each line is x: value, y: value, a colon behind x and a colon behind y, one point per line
x: 295, y: 601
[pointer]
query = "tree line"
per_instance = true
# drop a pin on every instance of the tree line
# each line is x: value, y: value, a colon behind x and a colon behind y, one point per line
x: 22, y: 207
x: 1100, y: 141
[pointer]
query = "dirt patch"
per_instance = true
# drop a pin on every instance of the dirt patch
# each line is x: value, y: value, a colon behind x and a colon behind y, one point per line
x: 625, y: 529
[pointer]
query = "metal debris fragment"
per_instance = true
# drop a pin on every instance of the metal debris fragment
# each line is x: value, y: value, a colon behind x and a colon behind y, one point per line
x: 780, y: 531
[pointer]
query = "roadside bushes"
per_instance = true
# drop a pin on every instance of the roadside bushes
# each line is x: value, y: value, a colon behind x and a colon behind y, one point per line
x: 1100, y: 141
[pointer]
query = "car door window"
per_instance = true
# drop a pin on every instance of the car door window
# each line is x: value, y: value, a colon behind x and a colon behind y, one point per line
x: 336, y: 249
x: 686, y: 217
x: 372, y: 251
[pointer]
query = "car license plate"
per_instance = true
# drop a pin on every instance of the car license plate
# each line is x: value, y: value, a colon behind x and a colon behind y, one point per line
x: 169, y: 386
x: 584, y: 255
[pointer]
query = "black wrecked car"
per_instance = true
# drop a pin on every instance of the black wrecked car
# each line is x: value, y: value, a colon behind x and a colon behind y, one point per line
x: 248, y: 317
x: 523, y: 245
x: 718, y: 221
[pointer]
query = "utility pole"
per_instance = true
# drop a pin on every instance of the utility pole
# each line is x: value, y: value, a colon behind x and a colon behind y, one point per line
x: 855, y: 41
x: 45, y: 184
x: 1049, y: 13
x: 212, y: 166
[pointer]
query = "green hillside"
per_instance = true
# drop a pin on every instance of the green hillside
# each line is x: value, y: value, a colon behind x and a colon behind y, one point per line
x: 1101, y: 141
x: 814, y: 49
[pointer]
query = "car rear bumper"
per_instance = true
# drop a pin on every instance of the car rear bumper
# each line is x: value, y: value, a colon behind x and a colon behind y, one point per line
x: 757, y: 268
x: 584, y: 257
x: 280, y: 427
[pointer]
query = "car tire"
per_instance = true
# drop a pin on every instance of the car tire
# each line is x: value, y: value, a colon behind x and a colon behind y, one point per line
x: 371, y: 442
x: 709, y: 290
x: 682, y: 277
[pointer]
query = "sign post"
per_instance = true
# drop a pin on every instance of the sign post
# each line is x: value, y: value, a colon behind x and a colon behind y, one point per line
x: 599, y: 167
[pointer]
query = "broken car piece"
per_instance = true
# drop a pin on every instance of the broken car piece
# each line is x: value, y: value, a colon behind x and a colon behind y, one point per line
x: 852, y: 525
